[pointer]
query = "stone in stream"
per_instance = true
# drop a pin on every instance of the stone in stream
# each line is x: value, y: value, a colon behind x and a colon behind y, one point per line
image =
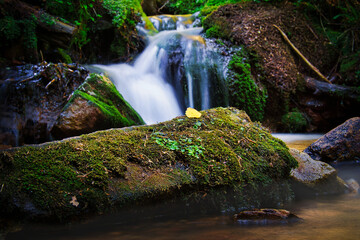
x: 265, y: 216
x: 46, y: 101
x: 95, y: 105
x: 340, y: 144
x: 313, y: 176
x: 353, y: 185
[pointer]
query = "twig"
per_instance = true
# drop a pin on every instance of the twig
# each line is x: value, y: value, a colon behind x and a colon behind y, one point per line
x: 302, y: 56
x: 249, y: 140
x: 163, y: 6
x: 84, y: 175
x: 51, y: 82
x: 312, y: 31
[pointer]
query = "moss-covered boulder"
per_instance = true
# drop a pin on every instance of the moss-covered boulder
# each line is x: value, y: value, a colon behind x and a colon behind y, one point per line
x: 95, y: 105
x: 105, y: 169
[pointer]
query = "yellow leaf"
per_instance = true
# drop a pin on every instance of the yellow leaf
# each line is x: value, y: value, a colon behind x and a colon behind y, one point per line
x: 192, y: 113
x: 74, y: 201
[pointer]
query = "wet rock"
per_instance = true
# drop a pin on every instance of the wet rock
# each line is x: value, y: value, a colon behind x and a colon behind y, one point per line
x: 353, y: 185
x: 313, y: 176
x: 108, y: 169
x: 36, y: 98
x: 95, y: 105
x: 31, y: 99
x: 340, y: 144
x: 265, y: 216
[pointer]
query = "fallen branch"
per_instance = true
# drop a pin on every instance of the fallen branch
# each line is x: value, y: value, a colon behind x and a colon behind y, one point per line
x: 26, y: 10
x: 334, y: 90
x: 163, y: 6
x: 302, y: 56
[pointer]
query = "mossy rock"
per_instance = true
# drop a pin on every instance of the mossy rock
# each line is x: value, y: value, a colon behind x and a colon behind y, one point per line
x: 95, y: 105
x: 100, y: 171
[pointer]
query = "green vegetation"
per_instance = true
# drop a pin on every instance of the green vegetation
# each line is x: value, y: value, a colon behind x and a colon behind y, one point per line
x: 119, y: 166
x: 12, y: 30
x: 190, y: 6
x: 66, y: 57
x: 184, y: 145
x: 244, y: 92
x: 205, y: 6
x: 101, y: 92
x: 294, y: 121
x: 338, y: 21
x: 23, y: 25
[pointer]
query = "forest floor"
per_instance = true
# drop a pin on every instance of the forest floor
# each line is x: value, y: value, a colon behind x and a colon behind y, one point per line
x: 282, y: 70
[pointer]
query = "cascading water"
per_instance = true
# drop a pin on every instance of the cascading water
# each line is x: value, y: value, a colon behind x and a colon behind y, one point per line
x: 178, y: 69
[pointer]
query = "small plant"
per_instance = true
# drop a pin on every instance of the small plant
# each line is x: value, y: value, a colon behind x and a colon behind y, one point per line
x: 294, y: 121
x: 184, y: 144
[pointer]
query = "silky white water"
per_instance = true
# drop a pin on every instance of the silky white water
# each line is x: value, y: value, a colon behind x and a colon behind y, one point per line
x: 172, y: 73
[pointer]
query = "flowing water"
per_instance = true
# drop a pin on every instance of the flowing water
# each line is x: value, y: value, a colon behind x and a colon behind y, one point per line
x: 178, y: 69
x: 323, y: 218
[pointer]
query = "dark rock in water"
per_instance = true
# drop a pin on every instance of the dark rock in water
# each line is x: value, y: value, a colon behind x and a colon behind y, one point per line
x: 265, y: 216
x: 315, y: 177
x: 32, y: 97
x: 95, y: 105
x: 340, y: 144
x: 39, y: 102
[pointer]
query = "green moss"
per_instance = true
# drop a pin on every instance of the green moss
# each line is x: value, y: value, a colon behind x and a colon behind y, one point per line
x: 119, y: 166
x: 65, y: 56
x: 215, y: 28
x: 294, y: 121
x: 101, y: 92
x: 244, y: 92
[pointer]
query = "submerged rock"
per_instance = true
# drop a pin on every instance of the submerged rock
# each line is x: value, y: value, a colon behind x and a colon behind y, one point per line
x: 315, y: 176
x: 265, y: 216
x: 340, y: 144
x: 111, y: 168
x: 352, y: 185
x: 95, y: 105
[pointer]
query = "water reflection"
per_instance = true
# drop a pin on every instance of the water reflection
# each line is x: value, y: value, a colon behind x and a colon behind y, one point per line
x: 324, y: 218
x: 336, y: 218
x: 299, y: 141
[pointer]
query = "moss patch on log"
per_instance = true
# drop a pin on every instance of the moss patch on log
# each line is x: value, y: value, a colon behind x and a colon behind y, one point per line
x: 111, y: 168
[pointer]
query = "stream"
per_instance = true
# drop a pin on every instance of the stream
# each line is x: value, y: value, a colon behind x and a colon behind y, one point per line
x: 323, y: 217
x: 180, y: 69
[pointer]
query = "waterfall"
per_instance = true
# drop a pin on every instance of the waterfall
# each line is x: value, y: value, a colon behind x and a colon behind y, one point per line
x: 177, y: 69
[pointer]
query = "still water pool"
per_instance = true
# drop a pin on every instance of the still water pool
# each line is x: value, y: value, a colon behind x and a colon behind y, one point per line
x: 323, y: 218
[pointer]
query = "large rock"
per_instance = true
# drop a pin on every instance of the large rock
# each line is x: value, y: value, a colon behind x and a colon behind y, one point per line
x: 315, y: 176
x: 31, y: 99
x: 95, y: 105
x: 101, y: 170
x: 34, y: 99
x: 340, y: 144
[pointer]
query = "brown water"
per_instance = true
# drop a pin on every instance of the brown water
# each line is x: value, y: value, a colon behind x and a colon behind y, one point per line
x: 323, y: 218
